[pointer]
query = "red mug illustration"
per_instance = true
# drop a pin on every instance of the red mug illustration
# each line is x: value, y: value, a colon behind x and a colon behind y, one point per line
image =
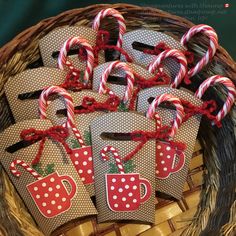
x: 49, y: 193
x: 169, y: 160
x: 123, y: 191
x: 82, y: 160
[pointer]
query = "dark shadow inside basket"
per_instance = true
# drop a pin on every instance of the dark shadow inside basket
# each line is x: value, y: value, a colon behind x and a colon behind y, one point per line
x: 219, y: 144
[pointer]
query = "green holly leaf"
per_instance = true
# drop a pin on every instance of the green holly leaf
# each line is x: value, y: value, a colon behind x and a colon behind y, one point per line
x: 38, y: 168
x: 74, y: 143
x: 122, y: 107
x: 49, y: 169
x: 128, y: 167
x: 87, y: 138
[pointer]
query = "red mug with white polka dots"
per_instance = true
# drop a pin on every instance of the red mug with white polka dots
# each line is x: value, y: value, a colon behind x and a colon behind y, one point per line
x: 124, y: 191
x: 50, y: 194
x: 168, y: 160
x: 82, y: 159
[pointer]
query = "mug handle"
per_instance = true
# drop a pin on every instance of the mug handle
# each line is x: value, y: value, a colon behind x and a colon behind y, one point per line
x: 148, y: 190
x: 72, y: 183
x: 180, y: 164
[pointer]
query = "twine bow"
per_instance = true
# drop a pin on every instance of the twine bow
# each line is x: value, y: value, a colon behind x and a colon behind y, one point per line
x: 57, y: 133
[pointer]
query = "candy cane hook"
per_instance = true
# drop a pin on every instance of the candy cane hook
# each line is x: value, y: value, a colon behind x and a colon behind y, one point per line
x: 17, y: 173
x: 120, y: 19
x: 111, y: 149
x: 171, y: 53
x: 179, y: 110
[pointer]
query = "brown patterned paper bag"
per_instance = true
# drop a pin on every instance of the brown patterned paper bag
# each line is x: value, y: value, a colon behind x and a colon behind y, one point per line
x: 187, y: 134
x: 137, y: 41
x: 51, y: 44
x: 52, y: 191
x: 23, y: 90
x: 83, y: 117
x: 113, y: 75
x: 140, y: 166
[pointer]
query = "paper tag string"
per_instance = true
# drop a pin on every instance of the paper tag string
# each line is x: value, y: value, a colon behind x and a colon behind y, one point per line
x: 70, y: 123
x: 103, y: 89
x: 171, y: 53
x: 179, y: 110
x: 17, y: 173
x: 116, y: 156
x: 120, y: 19
x: 64, y: 61
x: 218, y: 79
x: 211, y: 34
x: 57, y: 133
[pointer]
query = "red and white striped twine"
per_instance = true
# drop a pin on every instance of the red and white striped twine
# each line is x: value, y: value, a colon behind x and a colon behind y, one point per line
x: 208, y: 31
x: 116, y: 156
x: 179, y: 110
x: 120, y: 19
x: 229, y: 86
x: 17, y: 173
x: 103, y: 89
x: 167, y: 54
x: 64, y: 61
x: 43, y: 104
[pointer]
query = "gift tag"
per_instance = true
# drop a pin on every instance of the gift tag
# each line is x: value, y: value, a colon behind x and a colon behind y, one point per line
x: 123, y: 196
x: 137, y: 41
x: 186, y: 134
x: 52, y: 191
x: 23, y: 90
x: 112, y: 77
x: 51, y: 44
x: 82, y: 153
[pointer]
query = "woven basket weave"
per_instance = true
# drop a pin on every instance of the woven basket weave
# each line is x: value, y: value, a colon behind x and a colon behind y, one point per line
x: 208, y: 205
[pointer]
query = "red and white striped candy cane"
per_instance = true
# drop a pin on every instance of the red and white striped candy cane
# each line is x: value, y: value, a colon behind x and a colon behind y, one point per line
x: 171, y: 53
x: 111, y: 149
x: 179, y: 110
x: 70, y: 123
x: 231, y: 93
x: 208, y: 31
x: 17, y: 173
x: 64, y: 61
x: 120, y: 19
x: 103, y: 89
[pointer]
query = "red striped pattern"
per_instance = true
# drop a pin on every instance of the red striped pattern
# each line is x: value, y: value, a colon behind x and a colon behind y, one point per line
x: 168, y: 54
x: 229, y: 86
x: 211, y: 34
x: 120, y: 19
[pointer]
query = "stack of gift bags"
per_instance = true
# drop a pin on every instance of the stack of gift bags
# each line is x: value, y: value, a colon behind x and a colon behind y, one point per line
x: 110, y: 121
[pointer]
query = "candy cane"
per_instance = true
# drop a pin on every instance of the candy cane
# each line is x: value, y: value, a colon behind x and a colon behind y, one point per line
x: 171, y: 53
x: 208, y: 31
x: 231, y: 93
x: 64, y: 61
x: 115, y: 155
x: 158, y: 121
x: 17, y: 173
x: 70, y: 123
x: 179, y: 110
x: 121, y: 22
x: 130, y: 79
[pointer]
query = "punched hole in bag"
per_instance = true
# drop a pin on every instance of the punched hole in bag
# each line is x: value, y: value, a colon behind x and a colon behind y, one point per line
x: 116, y: 136
x: 20, y: 145
x: 141, y: 46
x: 71, y: 52
x: 166, y: 104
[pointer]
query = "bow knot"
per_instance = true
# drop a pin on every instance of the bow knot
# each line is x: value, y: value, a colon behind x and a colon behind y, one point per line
x: 57, y: 133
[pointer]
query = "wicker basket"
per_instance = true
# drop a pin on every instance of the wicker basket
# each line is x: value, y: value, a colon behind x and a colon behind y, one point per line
x: 208, y: 206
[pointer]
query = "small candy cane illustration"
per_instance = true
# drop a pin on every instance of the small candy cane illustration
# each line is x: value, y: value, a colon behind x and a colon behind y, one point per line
x: 231, y: 93
x: 17, y: 173
x: 130, y: 79
x: 120, y: 19
x: 174, y: 54
x: 179, y: 110
x: 208, y: 31
x: 64, y: 61
x: 111, y: 149
x: 70, y: 123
